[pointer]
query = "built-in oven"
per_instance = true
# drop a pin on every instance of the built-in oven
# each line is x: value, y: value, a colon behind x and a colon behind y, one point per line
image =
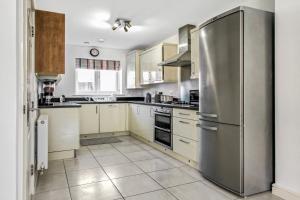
x: 194, y: 97
x: 163, y: 126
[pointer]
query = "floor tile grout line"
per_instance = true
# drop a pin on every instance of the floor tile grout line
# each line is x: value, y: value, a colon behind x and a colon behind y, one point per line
x: 163, y: 188
x: 108, y: 176
x: 147, y: 176
x: 166, y: 188
x: 92, y: 156
x: 146, y: 173
x: 146, y: 192
x: 218, y: 191
x: 69, y: 189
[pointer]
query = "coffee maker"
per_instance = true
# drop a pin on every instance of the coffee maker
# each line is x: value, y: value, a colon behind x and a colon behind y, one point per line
x: 47, y: 90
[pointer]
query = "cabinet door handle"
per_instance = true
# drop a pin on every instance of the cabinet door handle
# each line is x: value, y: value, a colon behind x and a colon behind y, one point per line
x: 183, y: 122
x: 96, y: 109
x: 185, y: 142
x: 184, y: 114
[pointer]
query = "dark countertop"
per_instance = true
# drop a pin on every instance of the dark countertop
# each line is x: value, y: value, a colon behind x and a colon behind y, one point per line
x: 180, y: 106
x: 76, y: 104
x: 99, y: 102
x: 61, y: 105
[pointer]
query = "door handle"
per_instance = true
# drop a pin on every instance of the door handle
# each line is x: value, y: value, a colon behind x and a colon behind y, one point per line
x: 96, y: 109
x: 183, y: 122
x: 162, y: 114
x: 211, y: 115
x: 183, y: 114
x: 208, y: 128
x: 185, y: 142
x: 162, y: 129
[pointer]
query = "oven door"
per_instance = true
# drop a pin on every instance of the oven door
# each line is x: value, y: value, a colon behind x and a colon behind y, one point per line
x: 163, y: 129
x: 163, y: 120
x: 163, y: 136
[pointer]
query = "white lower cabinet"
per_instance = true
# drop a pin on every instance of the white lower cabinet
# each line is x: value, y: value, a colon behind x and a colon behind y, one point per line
x: 113, y: 118
x: 147, y: 117
x: 103, y: 118
x: 89, y: 118
x: 186, y: 128
x: 133, y: 119
x: 186, y: 114
x: 186, y: 135
x: 141, y: 121
x: 186, y: 147
x: 63, y: 130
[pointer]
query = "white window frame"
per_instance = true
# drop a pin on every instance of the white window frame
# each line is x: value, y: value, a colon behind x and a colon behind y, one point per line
x: 97, y: 85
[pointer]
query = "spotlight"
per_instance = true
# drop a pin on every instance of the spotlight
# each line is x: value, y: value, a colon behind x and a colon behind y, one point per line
x: 122, y: 23
x: 128, y: 24
x: 116, y: 25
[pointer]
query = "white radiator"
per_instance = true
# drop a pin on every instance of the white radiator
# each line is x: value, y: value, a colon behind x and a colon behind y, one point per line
x: 42, y: 142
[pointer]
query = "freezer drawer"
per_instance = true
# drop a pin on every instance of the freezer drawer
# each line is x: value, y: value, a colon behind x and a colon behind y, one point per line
x: 220, y: 81
x: 221, y: 154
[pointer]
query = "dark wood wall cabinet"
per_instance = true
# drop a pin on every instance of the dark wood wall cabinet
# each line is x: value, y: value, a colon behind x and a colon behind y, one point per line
x: 49, y: 43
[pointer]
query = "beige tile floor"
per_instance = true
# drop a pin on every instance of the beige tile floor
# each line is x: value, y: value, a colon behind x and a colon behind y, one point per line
x: 129, y: 170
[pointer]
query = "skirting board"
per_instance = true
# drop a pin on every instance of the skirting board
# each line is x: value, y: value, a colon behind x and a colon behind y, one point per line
x: 284, y: 194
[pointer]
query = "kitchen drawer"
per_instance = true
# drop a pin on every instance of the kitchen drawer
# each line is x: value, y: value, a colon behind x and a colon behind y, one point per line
x: 187, y: 114
x: 186, y: 147
x: 185, y: 128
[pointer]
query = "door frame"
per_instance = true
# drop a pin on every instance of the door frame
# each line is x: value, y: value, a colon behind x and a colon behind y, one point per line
x: 24, y: 190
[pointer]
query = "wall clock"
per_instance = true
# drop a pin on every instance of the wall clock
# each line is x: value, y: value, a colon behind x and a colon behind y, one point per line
x: 94, y: 52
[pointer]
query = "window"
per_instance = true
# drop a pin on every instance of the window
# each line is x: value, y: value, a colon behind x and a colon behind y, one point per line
x: 95, y: 82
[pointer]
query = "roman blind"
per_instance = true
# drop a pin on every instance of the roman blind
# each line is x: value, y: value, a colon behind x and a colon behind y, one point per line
x: 83, y: 63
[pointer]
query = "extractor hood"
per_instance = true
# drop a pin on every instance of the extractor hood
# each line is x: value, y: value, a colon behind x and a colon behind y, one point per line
x: 183, y: 58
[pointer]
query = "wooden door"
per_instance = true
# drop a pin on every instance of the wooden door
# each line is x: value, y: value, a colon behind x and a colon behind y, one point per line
x: 49, y: 43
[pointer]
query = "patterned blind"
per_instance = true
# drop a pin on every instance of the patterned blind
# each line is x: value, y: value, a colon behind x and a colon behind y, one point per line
x: 84, y: 63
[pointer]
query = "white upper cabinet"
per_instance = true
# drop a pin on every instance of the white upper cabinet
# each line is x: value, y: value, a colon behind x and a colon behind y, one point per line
x: 150, y: 71
x: 113, y: 118
x: 195, y: 54
x: 133, y: 70
x: 89, y: 118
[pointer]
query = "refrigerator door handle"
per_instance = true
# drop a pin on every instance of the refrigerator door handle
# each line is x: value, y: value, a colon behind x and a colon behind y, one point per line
x: 208, y: 128
x: 207, y: 115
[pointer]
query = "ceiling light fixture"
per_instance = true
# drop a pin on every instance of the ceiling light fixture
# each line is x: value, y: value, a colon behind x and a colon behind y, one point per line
x: 119, y: 23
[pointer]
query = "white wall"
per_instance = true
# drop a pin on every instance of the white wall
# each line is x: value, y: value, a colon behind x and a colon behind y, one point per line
x: 67, y: 85
x: 287, y: 39
x: 8, y: 101
x: 268, y: 5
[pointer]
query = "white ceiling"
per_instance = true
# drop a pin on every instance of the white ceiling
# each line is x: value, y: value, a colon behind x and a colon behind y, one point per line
x: 152, y: 20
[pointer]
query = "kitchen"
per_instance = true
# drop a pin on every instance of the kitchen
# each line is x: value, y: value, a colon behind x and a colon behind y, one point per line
x: 122, y: 101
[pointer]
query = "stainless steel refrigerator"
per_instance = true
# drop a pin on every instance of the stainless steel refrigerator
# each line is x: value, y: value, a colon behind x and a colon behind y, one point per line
x: 236, y: 100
